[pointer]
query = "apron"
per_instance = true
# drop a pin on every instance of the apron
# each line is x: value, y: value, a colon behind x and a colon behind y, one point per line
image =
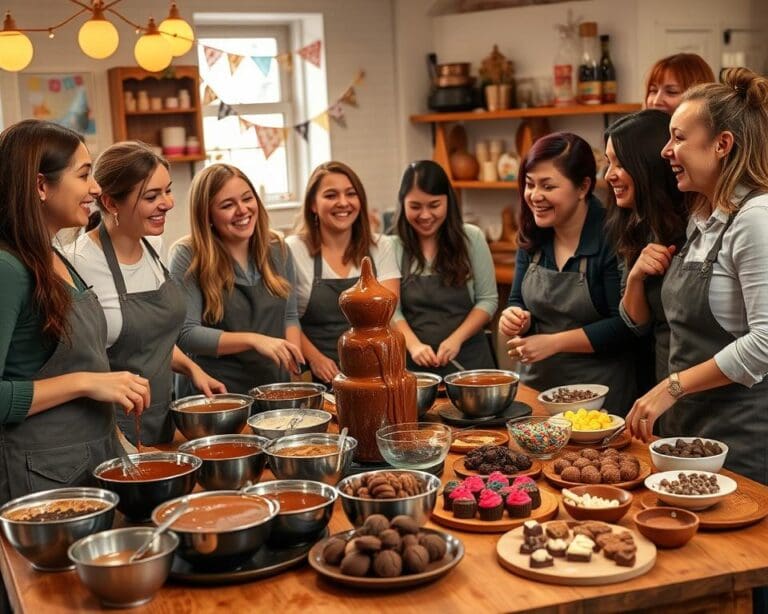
x: 433, y: 311
x: 734, y: 413
x: 60, y: 447
x: 560, y: 301
x: 152, y: 321
x: 248, y: 308
x: 660, y: 325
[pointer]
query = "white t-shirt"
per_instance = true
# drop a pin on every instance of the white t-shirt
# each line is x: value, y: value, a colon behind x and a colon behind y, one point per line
x: 383, y: 255
x: 88, y: 259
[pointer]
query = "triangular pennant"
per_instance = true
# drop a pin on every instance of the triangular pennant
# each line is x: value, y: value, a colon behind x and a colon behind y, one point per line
x: 212, y: 55
x: 311, y: 53
x: 349, y: 97
x: 234, y: 62
x: 225, y: 110
x: 264, y: 63
x: 322, y: 120
x: 245, y: 125
x: 209, y: 95
x: 359, y: 78
x: 285, y: 60
x: 269, y: 138
x: 303, y: 130
x: 337, y: 113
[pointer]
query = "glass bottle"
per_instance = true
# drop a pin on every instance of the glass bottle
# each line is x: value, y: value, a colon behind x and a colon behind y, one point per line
x: 589, y: 66
x: 564, y: 68
x: 607, y: 71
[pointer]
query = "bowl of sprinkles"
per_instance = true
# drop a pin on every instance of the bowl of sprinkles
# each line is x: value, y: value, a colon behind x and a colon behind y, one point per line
x: 540, y: 436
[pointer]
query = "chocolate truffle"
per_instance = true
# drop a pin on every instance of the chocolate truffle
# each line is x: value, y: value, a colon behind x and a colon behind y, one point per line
x: 571, y: 474
x: 590, y: 475
x: 628, y: 471
x: 375, y: 524
x: 580, y: 463
x: 609, y: 474
x: 571, y: 456
x: 368, y: 543
x: 390, y: 539
x: 334, y: 551
x: 388, y: 564
x: 415, y: 558
x: 355, y: 564
x: 410, y: 540
x: 405, y: 524
x: 590, y: 454
x: 560, y: 464
x: 609, y: 453
x: 435, y: 546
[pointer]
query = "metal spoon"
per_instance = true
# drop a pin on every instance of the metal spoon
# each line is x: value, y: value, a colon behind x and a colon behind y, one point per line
x: 457, y: 364
x: 173, y: 517
x: 342, y: 441
x: 612, y: 436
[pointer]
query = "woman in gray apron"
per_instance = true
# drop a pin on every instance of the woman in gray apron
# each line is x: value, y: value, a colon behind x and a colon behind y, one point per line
x: 57, y: 395
x: 563, y: 313
x: 644, y: 205
x: 333, y: 237
x: 143, y: 306
x: 448, y: 287
x: 241, y: 324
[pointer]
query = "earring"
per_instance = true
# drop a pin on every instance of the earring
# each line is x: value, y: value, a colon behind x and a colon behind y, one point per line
x: 117, y: 221
x: 317, y: 220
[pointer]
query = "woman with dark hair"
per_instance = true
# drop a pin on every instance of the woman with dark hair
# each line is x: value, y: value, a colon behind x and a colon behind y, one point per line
x: 646, y: 221
x: 563, y: 311
x: 448, y: 288
x: 333, y: 237
x: 144, y: 307
x: 671, y: 76
x: 57, y: 394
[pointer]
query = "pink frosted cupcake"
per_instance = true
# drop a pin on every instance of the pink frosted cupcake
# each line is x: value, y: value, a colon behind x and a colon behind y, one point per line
x: 523, y: 479
x: 498, y: 476
x: 474, y: 484
x: 518, y: 504
x: 463, y: 504
x: 490, y: 505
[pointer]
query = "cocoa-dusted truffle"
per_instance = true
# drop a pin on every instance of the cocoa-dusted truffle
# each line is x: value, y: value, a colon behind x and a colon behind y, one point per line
x: 590, y: 453
x: 375, y: 524
x: 628, y: 471
x: 355, y: 564
x: 404, y: 524
x: 590, y: 475
x: 415, y: 558
x: 560, y: 464
x: 410, y: 540
x: 609, y: 452
x: 368, y: 543
x: 435, y: 546
x: 571, y: 474
x: 390, y: 539
x: 609, y: 474
x: 571, y: 457
x: 334, y: 551
x: 387, y: 564
x: 582, y: 462
x: 628, y: 458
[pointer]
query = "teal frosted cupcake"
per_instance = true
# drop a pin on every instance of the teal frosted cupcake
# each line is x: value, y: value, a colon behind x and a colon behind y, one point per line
x: 447, y: 490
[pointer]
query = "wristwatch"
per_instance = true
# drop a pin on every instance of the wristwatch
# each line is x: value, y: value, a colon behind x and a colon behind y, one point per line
x: 674, y: 387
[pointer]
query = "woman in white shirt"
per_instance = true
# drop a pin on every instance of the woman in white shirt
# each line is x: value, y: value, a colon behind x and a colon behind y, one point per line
x: 715, y: 291
x: 144, y: 308
x: 333, y: 238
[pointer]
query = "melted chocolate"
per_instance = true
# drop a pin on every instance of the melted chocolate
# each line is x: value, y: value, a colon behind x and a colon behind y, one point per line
x: 294, y: 500
x: 486, y: 379
x: 219, y: 513
x: 63, y: 509
x: 148, y: 470
x: 212, y: 406
x: 308, y: 450
x: 286, y: 393
x: 114, y: 558
x: 235, y: 449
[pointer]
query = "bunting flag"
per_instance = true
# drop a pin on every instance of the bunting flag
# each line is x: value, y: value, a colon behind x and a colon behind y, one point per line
x: 349, y: 97
x: 270, y: 139
x: 212, y: 55
x: 302, y: 129
x: 245, y: 125
x: 285, y: 60
x: 359, y: 78
x: 311, y: 53
x: 225, y: 110
x: 322, y: 120
x: 234, y: 62
x: 263, y: 62
x: 337, y: 113
x: 209, y: 95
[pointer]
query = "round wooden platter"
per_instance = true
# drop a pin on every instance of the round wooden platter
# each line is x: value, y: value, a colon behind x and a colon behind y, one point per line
x: 546, y: 511
x: 461, y: 471
x: 464, y: 441
x: 599, y: 570
x: 549, y: 473
x: 621, y: 442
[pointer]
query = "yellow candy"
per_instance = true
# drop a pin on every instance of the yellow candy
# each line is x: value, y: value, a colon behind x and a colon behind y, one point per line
x: 581, y: 412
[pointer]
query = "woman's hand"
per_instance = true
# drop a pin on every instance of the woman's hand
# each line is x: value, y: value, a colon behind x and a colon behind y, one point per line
x: 647, y: 410
x: 514, y: 321
x: 423, y: 355
x: 448, y: 350
x: 533, y: 349
x: 282, y: 352
x: 653, y: 260
x: 204, y: 382
x: 128, y: 390
x: 323, y: 368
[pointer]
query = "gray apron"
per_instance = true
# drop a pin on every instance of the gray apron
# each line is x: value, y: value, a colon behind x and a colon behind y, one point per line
x: 560, y: 301
x: 61, y: 446
x: 433, y: 311
x: 653, y: 285
x: 152, y: 321
x: 734, y: 414
x: 248, y: 308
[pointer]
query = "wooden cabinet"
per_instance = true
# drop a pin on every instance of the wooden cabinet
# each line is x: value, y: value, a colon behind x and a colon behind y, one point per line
x: 146, y: 125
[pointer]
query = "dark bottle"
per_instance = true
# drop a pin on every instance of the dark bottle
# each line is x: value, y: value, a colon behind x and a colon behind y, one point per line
x: 607, y: 71
x: 589, y: 65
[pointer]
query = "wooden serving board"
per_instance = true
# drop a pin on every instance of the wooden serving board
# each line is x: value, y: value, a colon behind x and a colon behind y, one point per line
x: 599, y: 570
x: 459, y: 446
x: 549, y: 473
x: 621, y: 442
x: 463, y: 472
x: 546, y: 511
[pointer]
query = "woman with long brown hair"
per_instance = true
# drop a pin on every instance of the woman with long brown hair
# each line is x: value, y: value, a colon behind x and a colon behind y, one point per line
x: 241, y: 324
x: 333, y: 238
x: 57, y: 394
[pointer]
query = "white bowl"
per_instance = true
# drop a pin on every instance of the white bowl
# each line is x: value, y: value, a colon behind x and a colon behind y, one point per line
x: 664, y: 462
x: 556, y: 408
x: 593, y: 436
x: 690, y: 502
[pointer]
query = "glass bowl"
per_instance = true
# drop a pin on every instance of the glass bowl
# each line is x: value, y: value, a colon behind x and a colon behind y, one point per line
x: 540, y: 436
x: 414, y: 445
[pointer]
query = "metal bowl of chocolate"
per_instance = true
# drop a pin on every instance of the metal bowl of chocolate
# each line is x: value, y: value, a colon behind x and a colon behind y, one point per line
x: 690, y: 489
x: 573, y: 397
x: 222, y: 528
x: 414, y: 445
x: 41, y: 526
x: 305, y: 509
x: 229, y: 461
x: 312, y: 456
x: 390, y: 493
x: 692, y: 453
x: 200, y: 416
x: 102, y: 564
x: 279, y: 422
x: 482, y: 392
x: 161, y: 476
x: 287, y: 395
x: 426, y: 390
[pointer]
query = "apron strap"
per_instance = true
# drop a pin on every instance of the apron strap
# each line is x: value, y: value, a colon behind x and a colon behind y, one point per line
x: 583, y: 268
x: 318, y: 266
x: 72, y: 270
x: 536, y: 257
x: 154, y: 254
x: 111, y: 257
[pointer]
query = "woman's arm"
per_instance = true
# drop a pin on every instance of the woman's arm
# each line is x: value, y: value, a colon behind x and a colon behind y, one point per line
x: 653, y: 260
x: 181, y: 363
x: 323, y: 367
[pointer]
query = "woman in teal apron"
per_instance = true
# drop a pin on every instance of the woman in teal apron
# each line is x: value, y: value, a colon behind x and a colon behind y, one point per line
x: 144, y: 307
x: 563, y: 313
x: 57, y: 394
x: 447, y: 286
x: 241, y: 324
x: 334, y: 236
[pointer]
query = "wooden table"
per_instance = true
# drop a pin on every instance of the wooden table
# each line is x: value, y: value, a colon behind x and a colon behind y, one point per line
x: 714, y: 572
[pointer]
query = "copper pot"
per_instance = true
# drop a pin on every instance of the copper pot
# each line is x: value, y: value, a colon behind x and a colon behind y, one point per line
x: 456, y: 69
x: 454, y: 81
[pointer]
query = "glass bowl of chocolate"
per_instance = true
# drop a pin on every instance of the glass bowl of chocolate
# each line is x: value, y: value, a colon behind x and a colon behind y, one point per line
x: 312, y: 456
x: 229, y: 461
x: 414, y: 445
x: 288, y: 421
x: 426, y: 390
x: 222, y: 528
x: 693, y: 453
x: 102, y: 564
x: 287, y: 395
x: 41, y: 526
x: 161, y: 476
x: 200, y: 416
x: 573, y: 397
x: 305, y: 509
x: 482, y: 392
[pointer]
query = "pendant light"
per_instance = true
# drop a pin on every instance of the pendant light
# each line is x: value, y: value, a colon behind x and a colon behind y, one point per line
x: 152, y: 51
x: 15, y: 47
x: 98, y: 37
x: 177, y: 32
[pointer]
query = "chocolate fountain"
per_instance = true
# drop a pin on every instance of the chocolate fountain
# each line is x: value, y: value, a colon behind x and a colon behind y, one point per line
x: 373, y: 389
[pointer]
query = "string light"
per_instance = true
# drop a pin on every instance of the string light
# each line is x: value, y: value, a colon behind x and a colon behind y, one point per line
x: 98, y: 38
x: 152, y: 51
x: 15, y: 47
x: 177, y: 32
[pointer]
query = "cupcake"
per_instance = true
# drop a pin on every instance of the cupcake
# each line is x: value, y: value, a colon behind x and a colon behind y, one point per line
x: 496, y: 486
x: 523, y: 479
x: 533, y: 492
x: 474, y: 484
x: 447, y: 490
x: 490, y: 505
x: 464, y: 504
x: 518, y: 504
x: 498, y: 476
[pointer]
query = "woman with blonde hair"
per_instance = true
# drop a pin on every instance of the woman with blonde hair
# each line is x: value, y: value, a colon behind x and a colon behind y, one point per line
x: 671, y: 76
x: 241, y: 324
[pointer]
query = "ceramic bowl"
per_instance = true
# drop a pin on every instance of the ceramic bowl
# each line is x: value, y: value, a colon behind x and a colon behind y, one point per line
x: 261, y: 423
x: 426, y: 390
x: 555, y: 408
x: 690, y: 502
x: 540, y: 436
x: 604, y: 514
x: 667, y: 527
x: 481, y: 400
x: 666, y: 462
x: 595, y: 435
x: 286, y: 395
x: 414, y: 445
x: 193, y: 422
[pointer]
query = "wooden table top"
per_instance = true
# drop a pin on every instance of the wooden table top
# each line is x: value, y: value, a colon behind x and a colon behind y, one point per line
x: 710, y: 565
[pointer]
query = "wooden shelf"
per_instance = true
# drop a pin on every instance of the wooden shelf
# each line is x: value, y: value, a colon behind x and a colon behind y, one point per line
x: 161, y: 112
x: 597, y: 109
x: 503, y: 185
x: 192, y: 158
